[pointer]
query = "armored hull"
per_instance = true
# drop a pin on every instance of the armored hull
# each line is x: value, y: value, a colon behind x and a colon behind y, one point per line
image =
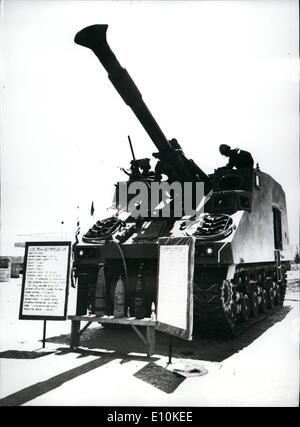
x: 241, y: 256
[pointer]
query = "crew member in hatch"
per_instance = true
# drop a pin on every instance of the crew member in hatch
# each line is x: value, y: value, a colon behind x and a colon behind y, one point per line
x: 239, y: 159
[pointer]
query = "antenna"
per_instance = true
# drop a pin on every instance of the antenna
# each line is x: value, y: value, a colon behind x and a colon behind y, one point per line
x: 132, y: 152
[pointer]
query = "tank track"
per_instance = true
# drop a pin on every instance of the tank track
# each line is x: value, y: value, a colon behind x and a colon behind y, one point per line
x: 226, y: 308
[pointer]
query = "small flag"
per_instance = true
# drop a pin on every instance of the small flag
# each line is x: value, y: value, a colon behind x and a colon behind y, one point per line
x: 92, y: 209
x: 77, y: 232
x: 73, y: 269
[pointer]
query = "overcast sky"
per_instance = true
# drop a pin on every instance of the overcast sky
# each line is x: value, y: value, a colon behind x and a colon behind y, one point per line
x: 211, y: 72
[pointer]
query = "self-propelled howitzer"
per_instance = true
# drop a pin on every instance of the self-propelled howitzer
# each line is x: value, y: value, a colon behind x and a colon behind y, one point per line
x: 242, y: 243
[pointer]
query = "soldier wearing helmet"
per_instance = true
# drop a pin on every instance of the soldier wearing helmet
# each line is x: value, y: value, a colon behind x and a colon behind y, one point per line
x: 239, y: 159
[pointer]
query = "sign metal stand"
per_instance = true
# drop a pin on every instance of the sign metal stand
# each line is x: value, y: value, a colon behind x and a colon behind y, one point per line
x: 44, y: 294
x: 170, y: 350
x: 44, y: 333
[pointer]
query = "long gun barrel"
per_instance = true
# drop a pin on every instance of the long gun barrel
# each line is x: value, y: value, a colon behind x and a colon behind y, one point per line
x: 94, y: 38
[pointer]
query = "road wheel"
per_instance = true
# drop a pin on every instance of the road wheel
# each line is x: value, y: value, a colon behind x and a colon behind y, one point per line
x: 254, y: 304
x: 278, y: 298
x: 232, y: 318
x: 271, y: 297
x: 245, y: 313
x: 264, y: 301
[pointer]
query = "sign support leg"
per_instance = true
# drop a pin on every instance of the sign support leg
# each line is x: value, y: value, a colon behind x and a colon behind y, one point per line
x: 75, y: 334
x: 170, y: 350
x: 44, y: 334
x: 150, y: 331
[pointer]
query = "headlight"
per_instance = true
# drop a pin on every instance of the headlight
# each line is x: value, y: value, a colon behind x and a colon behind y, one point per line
x: 209, y: 251
x: 87, y: 252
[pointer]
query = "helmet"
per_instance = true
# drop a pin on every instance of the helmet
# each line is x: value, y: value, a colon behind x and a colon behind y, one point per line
x: 175, y: 144
x: 224, y: 149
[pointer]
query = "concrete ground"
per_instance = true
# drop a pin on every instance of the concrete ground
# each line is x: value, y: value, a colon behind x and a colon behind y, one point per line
x: 258, y: 368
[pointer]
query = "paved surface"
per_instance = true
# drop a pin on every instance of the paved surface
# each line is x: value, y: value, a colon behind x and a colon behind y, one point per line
x: 259, y: 368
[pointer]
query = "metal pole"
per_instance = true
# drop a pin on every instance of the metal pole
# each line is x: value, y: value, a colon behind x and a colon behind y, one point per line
x: 62, y: 230
x: 44, y: 334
